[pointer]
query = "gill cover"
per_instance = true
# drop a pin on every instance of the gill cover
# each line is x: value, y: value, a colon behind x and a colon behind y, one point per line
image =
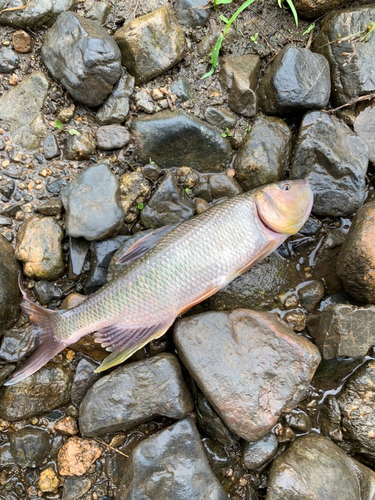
x: 285, y: 206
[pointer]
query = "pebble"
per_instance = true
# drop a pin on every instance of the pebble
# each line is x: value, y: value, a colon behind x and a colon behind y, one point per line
x: 49, y: 481
x: 67, y: 426
x: 80, y: 147
x: 258, y: 453
x: 21, y: 42
x: 112, y: 137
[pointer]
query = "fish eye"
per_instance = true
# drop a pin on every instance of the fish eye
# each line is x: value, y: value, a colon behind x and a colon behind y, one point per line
x: 286, y: 187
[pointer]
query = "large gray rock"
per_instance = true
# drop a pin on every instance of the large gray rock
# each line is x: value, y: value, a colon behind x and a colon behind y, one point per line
x: 364, y: 126
x: 22, y: 108
x: 92, y: 204
x: 350, y: 60
x: 171, y: 465
x: 298, y: 473
x: 83, y: 57
x: 249, y: 365
x: 10, y: 296
x: 334, y: 160
x: 134, y: 394
x: 177, y: 139
x: 37, y: 14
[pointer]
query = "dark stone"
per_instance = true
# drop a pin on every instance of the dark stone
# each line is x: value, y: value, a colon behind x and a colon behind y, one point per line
x: 30, y: 447
x: 151, y: 172
x: 217, y: 455
x: 211, y: 424
x: 55, y: 187
x: 38, y: 13
x: 334, y: 160
x: 311, y: 294
x: 178, y: 139
x: 150, y: 45
x: 83, y: 57
x: 297, y: 80
x: 327, y: 255
x: 220, y: 117
x: 84, y: 378
x: 312, y: 9
x: 181, y: 88
x: 298, y: 420
x: 9, y: 60
x: 17, y: 344
x: 50, y: 147
x: 80, y: 147
x: 76, y: 487
x: 192, y: 13
x: 7, y: 188
x: 237, y: 357
x: 364, y: 126
x: 10, y: 296
x: 78, y: 248
x: 168, y: 205
x: 92, y: 204
x: 134, y: 394
x: 115, y: 108
x: 258, y: 453
x: 51, y: 207
x: 223, y: 185
x: 112, y: 137
x: 6, y: 457
x: 45, y: 292
x: 5, y: 371
x: 171, y: 465
x: 330, y: 419
x: 350, y: 60
x: 265, y: 155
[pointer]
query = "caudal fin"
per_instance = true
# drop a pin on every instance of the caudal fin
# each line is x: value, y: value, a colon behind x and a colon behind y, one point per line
x: 47, y: 345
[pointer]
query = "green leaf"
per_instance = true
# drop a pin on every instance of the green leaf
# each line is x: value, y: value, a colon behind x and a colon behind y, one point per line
x: 294, y: 12
x: 224, y: 134
x: 221, y: 2
x: 58, y: 124
x: 224, y: 19
x: 188, y: 190
x: 309, y: 29
x: 73, y: 131
x: 150, y: 162
x: 140, y: 206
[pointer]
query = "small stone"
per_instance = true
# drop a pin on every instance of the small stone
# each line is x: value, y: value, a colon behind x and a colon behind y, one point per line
x: 74, y: 487
x: 77, y: 455
x: 50, y: 147
x: 17, y: 344
x: 112, y: 137
x: 99, y: 12
x: 135, y: 189
x: 84, y: 378
x: 364, y: 126
x: 181, y: 88
x: 187, y: 177
x: 299, y: 421
x: 201, y: 205
x: 67, y: 426
x: 66, y: 114
x: 296, y: 320
x: 49, y: 481
x: 9, y: 60
x: 211, y: 424
x: 80, y: 147
x: 157, y: 94
x: 30, y: 447
x: 192, y: 13
x: 21, y: 41
x: 37, y: 15
x: 223, y: 185
x: 311, y: 294
x: 51, y: 207
x: 144, y: 102
x: 220, y: 117
x: 258, y: 453
x: 115, y: 108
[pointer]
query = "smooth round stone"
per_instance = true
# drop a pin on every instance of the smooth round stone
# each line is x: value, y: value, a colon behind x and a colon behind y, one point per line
x: 112, y: 137
x: 9, y: 60
x: 256, y: 454
x: 30, y: 447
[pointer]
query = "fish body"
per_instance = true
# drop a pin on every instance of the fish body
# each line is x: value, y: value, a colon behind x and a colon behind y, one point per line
x: 170, y: 271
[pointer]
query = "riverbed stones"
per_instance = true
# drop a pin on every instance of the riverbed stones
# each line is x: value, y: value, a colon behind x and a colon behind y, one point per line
x: 38, y: 13
x: 92, y: 204
x: 9, y: 60
x: 150, y: 45
x: 334, y: 160
x: 112, y: 137
x: 364, y: 126
x: 22, y: 108
x: 21, y: 42
x: 38, y: 246
x: 10, y: 296
x: 77, y: 455
x: 265, y: 154
x: 115, y: 108
x: 171, y: 464
x: 352, y: 70
x: 297, y: 80
x: 16, y: 344
x: 311, y: 294
x: 177, y: 139
x: 258, y: 453
x: 220, y: 117
x: 312, y: 9
x: 135, y: 189
x: 30, y: 447
x: 249, y: 365
x: 84, y: 378
x: 81, y: 146
x: 134, y: 394
x: 192, y: 13
x: 297, y: 473
x: 50, y: 147
x: 83, y: 57
x: 356, y: 261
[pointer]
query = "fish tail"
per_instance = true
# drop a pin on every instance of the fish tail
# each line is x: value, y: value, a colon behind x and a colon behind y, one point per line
x: 47, y: 344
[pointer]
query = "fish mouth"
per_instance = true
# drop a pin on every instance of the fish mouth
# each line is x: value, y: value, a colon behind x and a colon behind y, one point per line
x: 264, y: 223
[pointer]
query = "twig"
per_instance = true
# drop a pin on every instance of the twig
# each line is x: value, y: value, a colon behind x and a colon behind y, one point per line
x: 111, y: 447
x: 270, y: 46
x: 367, y: 97
x: 9, y: 9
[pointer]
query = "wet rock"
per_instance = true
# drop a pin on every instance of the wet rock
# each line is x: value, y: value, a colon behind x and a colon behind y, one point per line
x: 352, y: 72
x: 9, y: 60
x: 256, y: 454
x: 45, y: 390
x: 115, y: 108
x: 21, y: 41
x: 87, y: 64
x: 223, y: 185
x: 298, y: 420
x: 112, y: 137
x: 177, y: 139
x: 22, y: 108
x: 67, y: 425
x: 217, y: 455
x: 239, y: 76
x: 171, y: 465
x: 259, y: 288
x: 84, y: 378
x: 135, y: 189
x: 211, y: 424
x: 192, y: 13
x: 168, y: 205
x: 10, y: 296
x: 150, y: 45
x: 201, y: 206
x: 265, y: 154
x: 249, y: 365
x: 92, y: 204
x: 311, y: 294
x: 334, y: 160
x: 75, y: 488
x: 99, y: 12
x: 330, y: 418
x: 187, y: 177
x: 80, y: 147
x: 220, y: 117
x: 77, y: 455
x: 297, y: 473
x: 134, y: 394
x: 38, y: 13
x: 30, y: 447
x: 364, y: 126
x: 38, y: 246
x: 78, y: 248
x: 296, y: 319
x: 7, y: 188
x: 45, y: 292
x: 16, y: 344
x: 181, y: 88
x: 296, y: 80
x: 312, y: 9
x: 6, y: 458
x: 327, y: 256
x: 50, y: 147
x: 356, y: 260
x: 49, y: 481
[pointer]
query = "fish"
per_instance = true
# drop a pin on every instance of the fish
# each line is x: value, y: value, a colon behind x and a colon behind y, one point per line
x: 168, y: 272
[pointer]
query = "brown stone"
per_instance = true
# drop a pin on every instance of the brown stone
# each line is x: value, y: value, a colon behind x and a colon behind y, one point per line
x: 311, y: 9
x: 77, y: 455
x: 67, y: 425
x: 72, y: 300
x: 21, y: 42
x: 49, y: 481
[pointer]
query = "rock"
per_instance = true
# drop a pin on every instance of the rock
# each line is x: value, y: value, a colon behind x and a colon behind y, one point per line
x: 22, y: 108
x: 177, y: 139
x: 187, y: 177
x: 135, y: 189
x: 45, y: 292
x: 356, y: 260
x: 21, y: 42
x: 181, y: 88
x: 223, y: 185
x: 217, y: 455
x: 115, y: 108
x: 9, y: 60
x: 298, y: 420
x: 259, y: 288
x: 84, y: 378
x: 297, y: 473
x: 265, y: 155
x: 312, y: 9
x: 74, y: 487
x: 78, y: 248
x: 77, y: 455
x: 352, y: 72
x: 256, y: 454
x: 87, y: 64
x: 38, y: 13
x: 239, y: 76
x: 134, y: 394
x: 99, y: 12
x: 38, y: 246
x: 220, y: 117
x: 6, y: 458
x: 170, y: 465
x: 168, y: 205
x: 296, y: 80
x: 201, y: 206
x: 150, y: 45
x: 66, y: 114
x: 67, y: 425
x: 249, y: 365
x: 80, y: 147
x: 334, y: 160
x: 112, y: 137
x: 364, y: 126
x: 49, y: 481
x: 144, y: 102
x: 92, y: 204
x: 192, y: 13
x: 311, y: 294
x: 211, y: 424
x: 50, y: 147
x: 16, y: 344
x: 30, y: 447
x: 43, y: 391
x: 10, y: 296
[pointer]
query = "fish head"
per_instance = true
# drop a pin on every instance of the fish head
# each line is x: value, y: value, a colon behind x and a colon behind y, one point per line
x: 285, y: 206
